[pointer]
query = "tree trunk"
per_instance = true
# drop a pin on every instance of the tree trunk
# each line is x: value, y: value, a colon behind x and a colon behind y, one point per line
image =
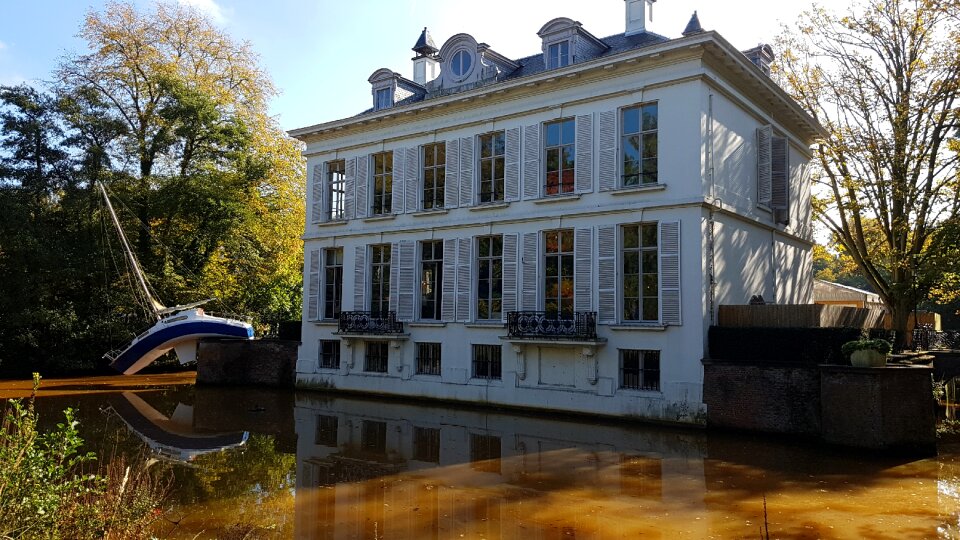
x: 900, y: 310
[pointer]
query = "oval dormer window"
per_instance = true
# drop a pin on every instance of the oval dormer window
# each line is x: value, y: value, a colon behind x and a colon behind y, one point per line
x: 460, y: 64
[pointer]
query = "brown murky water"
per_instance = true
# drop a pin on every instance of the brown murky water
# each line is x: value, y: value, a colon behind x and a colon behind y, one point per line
x: 310, y: 465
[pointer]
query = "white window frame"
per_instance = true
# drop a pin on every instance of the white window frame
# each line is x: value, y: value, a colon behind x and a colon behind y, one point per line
x: 554, y: 60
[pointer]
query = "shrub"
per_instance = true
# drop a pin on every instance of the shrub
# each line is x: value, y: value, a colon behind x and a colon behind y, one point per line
x: 780, y: 345
x: 879, y: 345
x: 46, y: 492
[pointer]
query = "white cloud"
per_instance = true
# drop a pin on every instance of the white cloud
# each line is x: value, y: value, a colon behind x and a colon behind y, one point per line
x: 209, y: 7
x: 2, y: 45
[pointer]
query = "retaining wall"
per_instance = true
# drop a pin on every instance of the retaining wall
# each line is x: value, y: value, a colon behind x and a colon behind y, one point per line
x: 244, y: 362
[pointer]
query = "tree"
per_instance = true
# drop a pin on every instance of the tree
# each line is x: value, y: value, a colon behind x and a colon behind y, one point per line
x: 212, y: 178
x: 884, y: 80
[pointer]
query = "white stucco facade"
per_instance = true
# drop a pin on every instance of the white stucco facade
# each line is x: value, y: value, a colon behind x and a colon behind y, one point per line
x: 715, y: 241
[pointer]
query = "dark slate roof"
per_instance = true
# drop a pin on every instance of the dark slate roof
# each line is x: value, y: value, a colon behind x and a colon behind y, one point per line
x: 531, y: 65
x: 425, y: 44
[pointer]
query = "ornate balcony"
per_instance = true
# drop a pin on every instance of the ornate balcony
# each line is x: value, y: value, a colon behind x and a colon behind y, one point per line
x: 542, y: 325
x: 369, y: 323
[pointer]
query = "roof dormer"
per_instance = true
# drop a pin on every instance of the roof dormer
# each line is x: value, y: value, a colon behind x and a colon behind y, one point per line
x: 389, y: 88
x: 565, y: 42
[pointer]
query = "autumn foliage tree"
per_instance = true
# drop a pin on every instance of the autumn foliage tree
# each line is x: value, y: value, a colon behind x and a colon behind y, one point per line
x: 884, y: 79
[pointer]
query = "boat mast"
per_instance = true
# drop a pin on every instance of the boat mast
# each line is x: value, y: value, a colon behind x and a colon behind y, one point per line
x: 155, y: 306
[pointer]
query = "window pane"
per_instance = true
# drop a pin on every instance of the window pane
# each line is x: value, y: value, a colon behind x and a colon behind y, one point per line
x: 649, y: 285
x: 650, y: 262
x: 650, y: 116
x: 567, y: 241
x: 569, y: 131
x: 498, y: 144
x: 486, y: 146
x: 553, y: 134
x: 649, y: 236
x: 650, y: 145
x: 650, y: 309
x: 631, y: 285
x: 630, y: 237
x: 631, y: 120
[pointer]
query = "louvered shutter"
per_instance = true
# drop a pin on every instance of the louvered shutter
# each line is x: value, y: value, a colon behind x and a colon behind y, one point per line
x: 609, y: 164
x: 394, y: 276
x: 363, y: 183
x: 316, y: 204
x: 466, y: 171
x: 360, y: 278
x: 349, y: 186
x: 780, y: 179
x: 584, y: 150
x: 529, y: 262
x: 449, y: 288
x: 411, y: 182
x: 531, y: 161
x: 670, y: 272
x: 764, y: 163
x: 406, y: 285
x: 464, y: 265
x: 511, y: 165
x: 583, y: 269
x: 451, y: 186
x: 399, y: 176
x: 313, y: 289
x: 509, y: 273
x: 607, y: 274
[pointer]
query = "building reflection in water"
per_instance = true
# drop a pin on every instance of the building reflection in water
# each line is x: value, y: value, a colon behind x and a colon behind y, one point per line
x: 375, y: 469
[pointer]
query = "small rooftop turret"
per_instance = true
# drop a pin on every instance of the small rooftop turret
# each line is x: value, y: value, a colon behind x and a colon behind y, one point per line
x: 426, y: 64
x: 693, y: 27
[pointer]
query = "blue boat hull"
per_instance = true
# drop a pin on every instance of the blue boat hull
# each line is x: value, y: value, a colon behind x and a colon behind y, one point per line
x: 166, y: 337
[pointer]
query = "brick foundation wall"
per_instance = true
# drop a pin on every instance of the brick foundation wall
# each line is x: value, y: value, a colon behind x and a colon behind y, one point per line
x: 240, y: 362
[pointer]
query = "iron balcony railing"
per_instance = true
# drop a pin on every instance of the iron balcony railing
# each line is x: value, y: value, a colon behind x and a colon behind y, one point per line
x: 580, y: 325
x: 367, y: 322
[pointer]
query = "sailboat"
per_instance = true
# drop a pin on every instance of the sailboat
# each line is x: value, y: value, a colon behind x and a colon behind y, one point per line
x: 179, y: 327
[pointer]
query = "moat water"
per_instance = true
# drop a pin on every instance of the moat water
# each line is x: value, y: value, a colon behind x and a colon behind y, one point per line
x: 311, y: 465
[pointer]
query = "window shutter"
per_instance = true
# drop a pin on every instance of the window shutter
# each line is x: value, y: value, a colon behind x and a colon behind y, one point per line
x: 363, y: 183
x: 511, y: 165
x: 608, y: 151
x: 529, y: 262
x: 583, y: 270
x: 780, y: 179
x: 411, y: 183
x: 394, y: 276
x: 399, y: 175
x: 584, y: 149
x: 764, y: 163
x: 407, y: 285
x: 670, y: 272
x: 447, y: 303
x: 313, y: 291
x: 451, y: 185
x: 607, y: 273
x: 531, y: 161
x: 360, y: 278
x: 464, y: 264
x: 349, y: 185
x: 466, y: 171
x: 316, y: 211
x: 509, y: 273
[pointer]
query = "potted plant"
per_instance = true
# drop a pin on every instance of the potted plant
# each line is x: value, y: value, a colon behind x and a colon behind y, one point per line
x: 867, y: 352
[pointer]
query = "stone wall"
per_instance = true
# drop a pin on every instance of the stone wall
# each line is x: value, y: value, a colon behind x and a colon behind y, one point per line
x: 889, y: 409
x: 767, y: 398
x: 241, y: 362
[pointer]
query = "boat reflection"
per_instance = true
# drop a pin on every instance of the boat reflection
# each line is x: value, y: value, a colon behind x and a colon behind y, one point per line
x: 174, y: 438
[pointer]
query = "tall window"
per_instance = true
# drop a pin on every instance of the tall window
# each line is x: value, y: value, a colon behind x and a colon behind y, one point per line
x: 640, y: 273
x: 489, y: 277
x: 336, y: 180
x: 382, y: 183
x: 426, y: 444
x: 384, y: 98
x: 558, y: 278
x: 486, y: 362
x: 431, y: 278
x: 485, y: 453
x: 327, y: 430
x: 491, y: 167
x: 639, y: 143
x: 559, y: 146
x: 428, y: 358
x: 332, y: 282
x: 380, y: 280
x: 375, y: 357
x: 434, y: 174
x: 639, y: 369
x: 558, y: 55
x: 373, y: 436
x: 329, y: 354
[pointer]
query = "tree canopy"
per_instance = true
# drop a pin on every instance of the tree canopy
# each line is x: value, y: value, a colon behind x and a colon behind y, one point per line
x: 170, y: 114
x: 884, y: 79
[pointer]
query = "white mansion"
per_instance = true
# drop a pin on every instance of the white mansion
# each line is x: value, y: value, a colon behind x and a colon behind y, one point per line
x: 553, y: 232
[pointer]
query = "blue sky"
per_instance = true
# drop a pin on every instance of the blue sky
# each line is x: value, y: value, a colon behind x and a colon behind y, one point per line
x: 320, y: 53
